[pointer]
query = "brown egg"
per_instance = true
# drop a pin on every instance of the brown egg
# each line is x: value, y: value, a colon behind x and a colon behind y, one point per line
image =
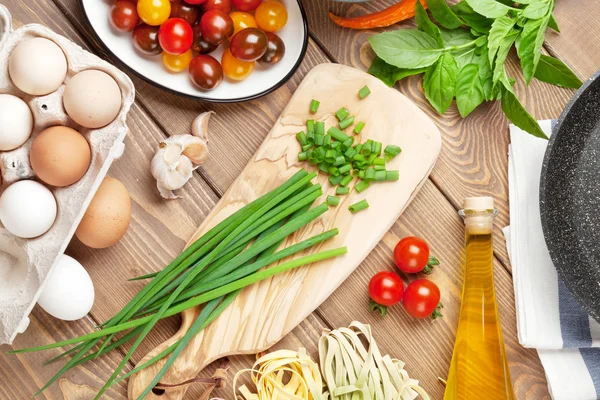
x: 107, y: 218
x: 60, y: 156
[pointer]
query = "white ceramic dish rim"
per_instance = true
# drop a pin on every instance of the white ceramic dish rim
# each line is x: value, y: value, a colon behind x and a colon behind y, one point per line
x: 205, y: 96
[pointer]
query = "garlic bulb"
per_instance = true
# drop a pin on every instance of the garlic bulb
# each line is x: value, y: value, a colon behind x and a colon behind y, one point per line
x: 179, y: 155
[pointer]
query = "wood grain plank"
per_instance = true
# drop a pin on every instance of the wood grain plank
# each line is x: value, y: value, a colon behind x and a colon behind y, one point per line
x: 473, y: 161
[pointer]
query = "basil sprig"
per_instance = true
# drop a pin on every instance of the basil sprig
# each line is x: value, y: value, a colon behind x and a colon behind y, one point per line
x: 464, y: 57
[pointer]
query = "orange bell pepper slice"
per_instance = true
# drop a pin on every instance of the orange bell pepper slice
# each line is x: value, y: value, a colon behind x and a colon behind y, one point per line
x: 401, y: 11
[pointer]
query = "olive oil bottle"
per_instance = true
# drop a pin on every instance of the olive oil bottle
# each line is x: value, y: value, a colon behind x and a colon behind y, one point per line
x: 479, y: 368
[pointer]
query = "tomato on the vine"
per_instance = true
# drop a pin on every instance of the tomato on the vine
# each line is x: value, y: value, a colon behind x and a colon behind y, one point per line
x: 124, y: 16
x: 235, y: 69
x: 385, y: 290
x: 412, y: 256
x: 177, y: 62
x: 175, y: 36
x: 246, y: 5
x: 271, y: 16
x: 145, y: 39
x: 154, y: 12
x: 216, y: 26
x: 422, y: 299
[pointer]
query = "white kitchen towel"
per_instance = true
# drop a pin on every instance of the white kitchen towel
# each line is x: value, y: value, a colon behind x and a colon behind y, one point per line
x: 548, y: 318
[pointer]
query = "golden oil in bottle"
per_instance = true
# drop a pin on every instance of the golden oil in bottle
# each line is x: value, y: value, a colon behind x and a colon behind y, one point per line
x: 479, y: 368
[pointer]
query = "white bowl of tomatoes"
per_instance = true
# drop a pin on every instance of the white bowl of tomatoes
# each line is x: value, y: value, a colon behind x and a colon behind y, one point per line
x: 212, y: 50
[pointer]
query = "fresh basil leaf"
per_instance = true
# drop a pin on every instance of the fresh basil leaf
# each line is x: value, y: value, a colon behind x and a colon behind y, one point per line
x: 552, y: 70
x: 469, y: 91
x: 424, y: 24
x: 518, y: 115
x: 476, y: 21
x: 456, y: 37
x: 485, y: 76
x: 530, y: 46
x: 476, y: 33
x: 537, y: 10
x: 390, y: 74
x: 489, y: 8
x: 406, y: 48
x: 439, y: 82
x: 553, y: 24
x: 500, y: 28
x: 505, y: 46
x: 443, y: 14
x: 465, y: 56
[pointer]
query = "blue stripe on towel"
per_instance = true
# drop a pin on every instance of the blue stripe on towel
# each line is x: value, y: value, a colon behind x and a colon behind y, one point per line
x: 574, y: 322
x: 591, y: 358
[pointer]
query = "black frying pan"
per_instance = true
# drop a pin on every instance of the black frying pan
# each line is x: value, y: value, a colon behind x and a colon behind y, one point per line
x: 570, y: 196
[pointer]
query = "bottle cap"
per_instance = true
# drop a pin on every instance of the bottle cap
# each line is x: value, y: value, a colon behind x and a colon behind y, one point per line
x: 478, y: 203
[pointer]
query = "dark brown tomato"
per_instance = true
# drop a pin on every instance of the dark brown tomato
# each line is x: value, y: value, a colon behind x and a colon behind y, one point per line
x: 145, y: 39
x: 199, y: 44
x: 248, y: 44
x: 205, y: 72
x: 221, y: 5
x: 189, y: 12
x: 124, y: 16
x: 275, y: 50
x: 216, y: 26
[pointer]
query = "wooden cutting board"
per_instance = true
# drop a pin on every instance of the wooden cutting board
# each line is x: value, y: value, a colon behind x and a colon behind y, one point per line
x: 265, y: 312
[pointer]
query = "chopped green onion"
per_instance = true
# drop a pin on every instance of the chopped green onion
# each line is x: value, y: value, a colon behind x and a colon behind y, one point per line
x: 307, y: 147
x: 310, y: 137
x: 314, y: 105
x: 335, y: 144
x: 339, y: 160
x: 301, y: 136
x: 310, y: 126
x: 324, y: 167
x: 391, y: 151
x: 370, y: 174
x: 347, y: 179
x: 371, y: 158
x: 356, y: 207
x: 361, y: 174
x: 351, y: 152
x: 366, y: 150
x: 337, y: 134
x: 342, y: 190
x: 358, y: 147
x: 330, y: 156
x: 302, y: 156
x: 320, y: 128
x: 359, y: 127
x: 342, y: 113
x: 334, y: 180
x: 355, y: 172
x: 347, y: 122
x: 362, y: 186
x: 364, y: 92
x: 319, y: 139
x: 393, y: 175
x: 379, y: 161
x: 376, y: 148
x: 345, y: 169
x: 332, y: 201
x: 380, y: 176
x: 359, y: 157
x: 379, y: 167
x: 348, y: 143
x: 333, y: 171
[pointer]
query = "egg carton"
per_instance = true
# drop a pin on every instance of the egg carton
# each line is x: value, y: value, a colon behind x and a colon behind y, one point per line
x: 25, y: 264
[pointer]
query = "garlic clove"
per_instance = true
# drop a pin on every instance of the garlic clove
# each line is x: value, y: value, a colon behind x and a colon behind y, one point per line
x: 196, y: 151
x: 200, y: 125
x: 172, y: 152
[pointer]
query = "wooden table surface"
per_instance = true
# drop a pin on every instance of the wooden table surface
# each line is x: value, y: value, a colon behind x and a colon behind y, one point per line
x: 473, y: 162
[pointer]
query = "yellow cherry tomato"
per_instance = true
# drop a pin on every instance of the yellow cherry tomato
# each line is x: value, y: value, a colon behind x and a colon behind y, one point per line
x: 242, y: 20
x: 236, y: 69
x: 177, y: 63
x: 154, y: 12
x: 271, y: 16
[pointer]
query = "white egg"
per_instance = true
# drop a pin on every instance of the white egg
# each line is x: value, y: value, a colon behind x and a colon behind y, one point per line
x: 37, y: 66
x: 16, y: 122
x: 27, y: 209
x: 68, y: 293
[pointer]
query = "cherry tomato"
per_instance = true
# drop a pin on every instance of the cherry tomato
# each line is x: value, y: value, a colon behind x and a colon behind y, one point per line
x: 154, y: 12
x: 246, y: 5
x: 199, y: 44
x: 236, y: 69
x: 412, y: 255
x: 242, y: 20
x: 190, y: 13
x: 175, y: 36
x: 194, y: 1
x: 177, y: 62
x: 422, y: 299
x: 124, y: 16
x: 145, y: 39
x: 275, y: 50
x: 205, y: 72
x: 221, y: 5
x: 385, y: 290
x: 249, y: 44
x: 216, y: 26
x: 271, y: 16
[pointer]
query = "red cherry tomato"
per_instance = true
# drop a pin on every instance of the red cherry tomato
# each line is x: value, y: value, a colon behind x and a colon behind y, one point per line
x: 216, y: 26
x: 199, y: 44
x: 236, y: 69
x: 275, y: 50
x: 246, y: 5
x: 124, y: 16
x: 221, y: 5
x: 385, y: 290
x: 248, y: 44
x: 194, y: 1
x: 145, y: 39
x: 412, y: 255
x: 190, y: 13
x: 175, y: 36
x: 422, y: 299
x: 271, y: 16
x: 205, y: 72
